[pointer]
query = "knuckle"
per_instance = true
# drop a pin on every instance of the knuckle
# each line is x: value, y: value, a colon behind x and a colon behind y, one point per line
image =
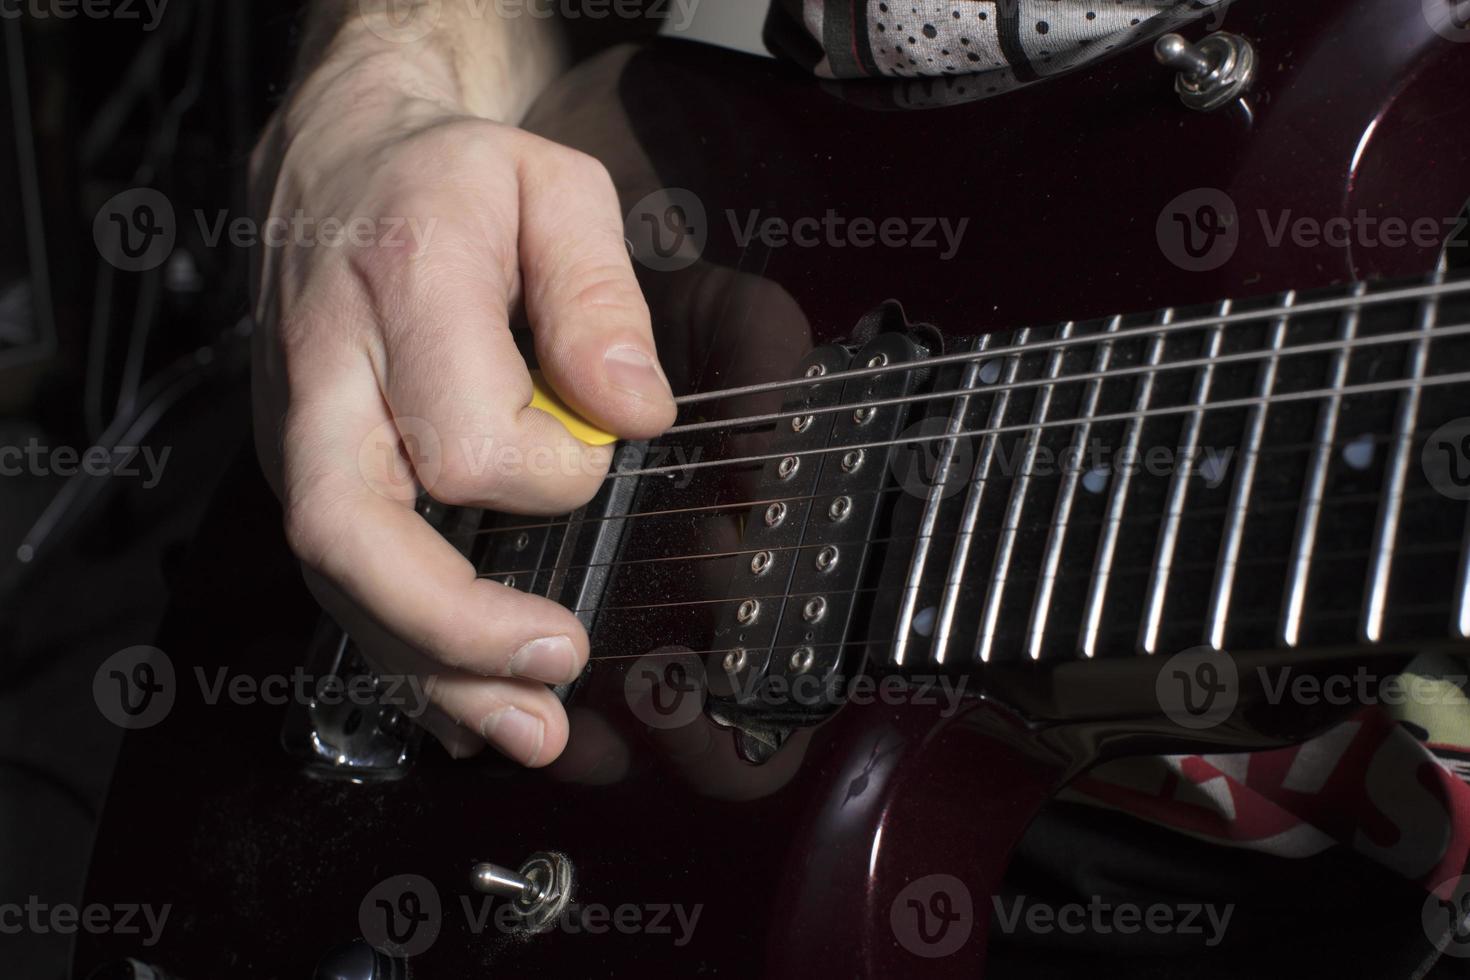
x: 461, y: 483
x: 604, y: 288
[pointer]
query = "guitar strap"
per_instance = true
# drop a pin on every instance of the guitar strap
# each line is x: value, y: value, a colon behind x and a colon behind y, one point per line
x: 968, y: 48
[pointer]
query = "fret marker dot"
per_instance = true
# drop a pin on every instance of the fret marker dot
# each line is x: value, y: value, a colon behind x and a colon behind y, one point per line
x: 990, y: 372
x: 1095, y: 480
x: 1358, y: 454
x: 924, y: 621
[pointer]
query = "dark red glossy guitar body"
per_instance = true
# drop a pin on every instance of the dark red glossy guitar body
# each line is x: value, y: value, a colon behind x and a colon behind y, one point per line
x: 796, y: 865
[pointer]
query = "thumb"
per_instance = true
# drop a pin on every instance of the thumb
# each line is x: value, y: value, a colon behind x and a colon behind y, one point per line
x: 594, y: 340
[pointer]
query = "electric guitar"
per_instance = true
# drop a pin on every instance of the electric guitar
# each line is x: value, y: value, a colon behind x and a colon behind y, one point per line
x: 1015, y: 433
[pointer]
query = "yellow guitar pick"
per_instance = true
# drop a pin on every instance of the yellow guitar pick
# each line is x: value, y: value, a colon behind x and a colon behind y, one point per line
x: 544, y: 398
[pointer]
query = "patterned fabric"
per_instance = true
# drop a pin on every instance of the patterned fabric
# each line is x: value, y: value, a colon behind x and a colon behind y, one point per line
x: 1008, y: 42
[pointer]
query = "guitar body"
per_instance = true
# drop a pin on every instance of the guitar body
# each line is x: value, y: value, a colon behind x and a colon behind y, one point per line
x: 795, y: 859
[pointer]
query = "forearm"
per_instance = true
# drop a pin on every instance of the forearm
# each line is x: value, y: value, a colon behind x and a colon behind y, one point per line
x: 363, y: 54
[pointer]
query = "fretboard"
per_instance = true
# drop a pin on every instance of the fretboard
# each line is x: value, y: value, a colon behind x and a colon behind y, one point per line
x: 1280, y: 473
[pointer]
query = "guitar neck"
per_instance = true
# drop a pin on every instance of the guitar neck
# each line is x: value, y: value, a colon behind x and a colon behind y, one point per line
x: 1279, y: 473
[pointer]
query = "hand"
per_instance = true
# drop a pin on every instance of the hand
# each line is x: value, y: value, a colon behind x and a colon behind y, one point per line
x: 401, y: 345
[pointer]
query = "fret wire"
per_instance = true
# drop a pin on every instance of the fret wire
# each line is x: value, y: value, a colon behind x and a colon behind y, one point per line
x: 1237, y: 357
x: 931, y: 509
x: 1386, y: 533
x: 1061, y: 514
x: 1113, y: 520
x: 1178, y: 491
x: 1315, y: 306
x: 1299, y: 572
x: 1224, y: 584
x: 1020, y: 486
x: 1463, y: 591
x: 944, y: 621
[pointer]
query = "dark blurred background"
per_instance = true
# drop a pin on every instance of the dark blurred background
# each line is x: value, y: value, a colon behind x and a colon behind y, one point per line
x: 145, y: 354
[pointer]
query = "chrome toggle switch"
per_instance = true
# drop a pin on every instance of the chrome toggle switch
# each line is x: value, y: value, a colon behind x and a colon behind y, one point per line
x: 538, y: 892
x: 1213, y: 73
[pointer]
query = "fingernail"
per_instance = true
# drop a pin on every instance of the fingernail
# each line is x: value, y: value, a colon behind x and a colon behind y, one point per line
x: 634, y: 371
x: 514, y: 732
x: 552, y: 659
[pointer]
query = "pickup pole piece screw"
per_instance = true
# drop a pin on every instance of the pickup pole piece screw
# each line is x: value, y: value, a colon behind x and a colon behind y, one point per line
x: 827, y: 558
x: 735, y: 661
x: 815, y: 609
x: 802, y: 658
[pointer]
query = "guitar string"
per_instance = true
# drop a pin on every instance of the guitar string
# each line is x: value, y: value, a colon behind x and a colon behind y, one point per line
x: 1296, y: 311
x: 1246, y: 357
x: 1326, y: 347
x: 1276, y: 398
x: 1268, y: 508
x: 796, y: 498
x: 1417, y: 551
x: 1184, y: 624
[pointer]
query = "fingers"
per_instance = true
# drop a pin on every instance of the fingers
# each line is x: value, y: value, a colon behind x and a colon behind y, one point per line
x: 593, y: 335
x: 348, y: 522
x: 458, y: 741
x: 521, y: 719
